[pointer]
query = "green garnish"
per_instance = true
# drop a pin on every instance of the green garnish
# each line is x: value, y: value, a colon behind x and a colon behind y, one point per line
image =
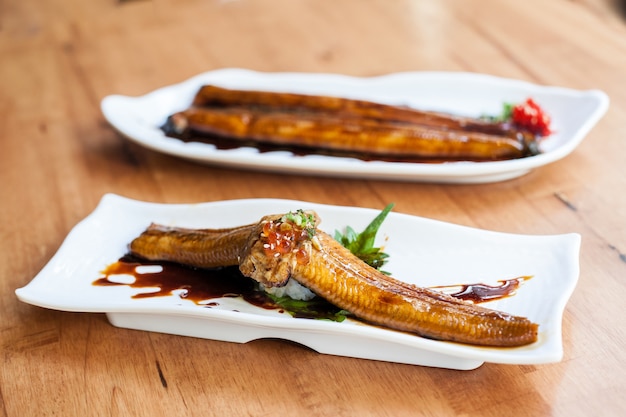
x: 316, y: 308
x: 362, y: 244
x: 505, y: 115
x: 301, y: 219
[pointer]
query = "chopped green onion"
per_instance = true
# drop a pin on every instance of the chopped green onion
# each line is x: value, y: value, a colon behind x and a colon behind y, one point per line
x: 301, y: 219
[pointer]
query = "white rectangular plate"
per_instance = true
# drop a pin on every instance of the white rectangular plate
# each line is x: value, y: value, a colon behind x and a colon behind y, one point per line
x: 422, y: 251
x: 574, y: 113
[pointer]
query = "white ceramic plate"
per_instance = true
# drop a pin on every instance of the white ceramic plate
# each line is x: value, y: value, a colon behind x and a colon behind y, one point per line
x: 423, y: 251
x: 574, y: 113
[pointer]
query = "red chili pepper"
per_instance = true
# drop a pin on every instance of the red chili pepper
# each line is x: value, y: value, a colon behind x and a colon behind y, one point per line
x: 528, y: 115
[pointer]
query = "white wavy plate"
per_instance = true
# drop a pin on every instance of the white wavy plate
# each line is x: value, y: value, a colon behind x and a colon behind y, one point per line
x: 574, y: 113
x: 423, y: 251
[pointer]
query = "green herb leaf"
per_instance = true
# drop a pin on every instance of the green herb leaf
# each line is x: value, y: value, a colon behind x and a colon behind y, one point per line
x: 316, y: 308
x: 505, y: 115
x: 362, y: 244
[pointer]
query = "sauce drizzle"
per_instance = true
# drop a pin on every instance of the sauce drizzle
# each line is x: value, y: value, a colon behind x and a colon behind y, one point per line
x: 206, y: 286
x: 482, y: 293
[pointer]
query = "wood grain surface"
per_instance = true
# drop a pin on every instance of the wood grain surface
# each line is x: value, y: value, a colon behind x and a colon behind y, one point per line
x: 59, y: 156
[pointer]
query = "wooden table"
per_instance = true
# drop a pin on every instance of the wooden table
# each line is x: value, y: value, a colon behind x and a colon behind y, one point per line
x: 59, y: 157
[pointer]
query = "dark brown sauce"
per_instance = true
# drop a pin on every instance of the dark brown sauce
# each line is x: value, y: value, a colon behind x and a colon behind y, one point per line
x: 482, y: 293
x: 202, y: 285
x: 206, y: 286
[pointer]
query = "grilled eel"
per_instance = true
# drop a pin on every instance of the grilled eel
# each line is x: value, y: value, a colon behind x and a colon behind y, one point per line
x: 350, y: 135
x: 345, y: 126
x: 279, y: 248
x: 200, y: 248
x: 218, y: 97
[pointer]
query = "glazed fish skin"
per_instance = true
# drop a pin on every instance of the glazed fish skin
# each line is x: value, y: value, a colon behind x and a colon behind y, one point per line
x: 319, y: 262
x: 200, y: 248
x: 347, y: 127
x: 346, y: 134
x: 335, y: 274
x: 214, y: 96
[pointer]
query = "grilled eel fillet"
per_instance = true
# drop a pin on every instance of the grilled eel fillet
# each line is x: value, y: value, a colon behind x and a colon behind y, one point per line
x: 346, y: 126
x: 200, y: 248
x: 217, y: 97
x: 317, y: 261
